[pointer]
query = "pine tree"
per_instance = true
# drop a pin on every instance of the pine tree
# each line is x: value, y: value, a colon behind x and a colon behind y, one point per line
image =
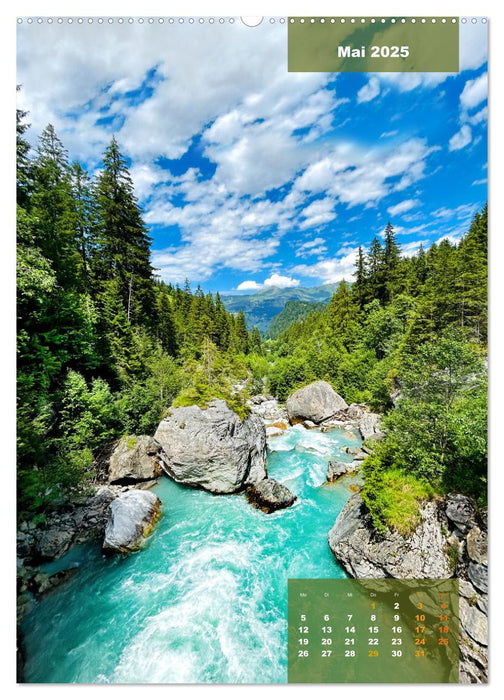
x: 342, y: 314
x: 123, y: 244
x: 221, y: 324
x: 83, y: 213
x: 375, y: 264
x: 360, y: 286
x: 166, y: 326
x: 255, y: 341
x: 391, y: 263
x: 472, y: 280
x: 240, y: 333
x: 23, y: 166
x: 53, y: 206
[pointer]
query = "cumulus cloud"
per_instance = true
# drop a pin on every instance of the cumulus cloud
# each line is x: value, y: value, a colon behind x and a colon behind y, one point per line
x: 369, y: 91
x: 330, y: 270
x: 249, y: 285
x: 461, y: 139
x: 275, y: 280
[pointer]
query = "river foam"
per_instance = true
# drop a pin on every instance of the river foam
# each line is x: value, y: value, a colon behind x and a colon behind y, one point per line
x: 205, y: 600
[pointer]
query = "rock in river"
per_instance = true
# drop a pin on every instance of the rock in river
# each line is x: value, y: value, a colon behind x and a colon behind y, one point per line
x: 136, y: 458
x: 269, y: 495
x: 316, y: 402
x: 364, y: 554
x: 213, y: 448
x: 131, y: 517
x: 335, y: 470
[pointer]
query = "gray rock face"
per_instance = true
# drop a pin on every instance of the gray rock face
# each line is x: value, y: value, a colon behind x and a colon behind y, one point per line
x: 54, y: 542
x: 212, y: 448
x: 364, y: 555
x: 335, y: 470
x: 474, y: 622
x: 316, y: 402
x: 136, y: 458
x: 460, y: 510
x: 477, y: 545
x: 269, y: 495
x: 131, y: 516
x: 369, y: 426
x: 478, y: 575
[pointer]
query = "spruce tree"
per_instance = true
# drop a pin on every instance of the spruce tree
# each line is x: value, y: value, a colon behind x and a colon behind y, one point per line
x: 166, y: 326
x: 391, y: 263
x: 255, y: 341
x: 241, y: 338
x: 375, y: 264
x: 123, y: 244
x: 23, y: 166
x: 53, y: 206
x: 360, y: 286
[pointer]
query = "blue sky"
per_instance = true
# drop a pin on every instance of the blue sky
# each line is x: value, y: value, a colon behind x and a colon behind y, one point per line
x: 250, y: 176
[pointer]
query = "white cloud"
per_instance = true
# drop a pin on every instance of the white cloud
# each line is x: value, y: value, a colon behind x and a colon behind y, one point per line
x: 474, y: 92
x: 388, y: 134
x: 403, y: 206
x: 249, y: 284
x: 479, y: 117
x: 275, y: 280
x: 319, y: 212
x: 463, y: 211
x: 369, y: 91
x: 461, y: 139
x: 483, y: 181
x: 282, y: 281
x: 331, y: 270
x: 316, y: 246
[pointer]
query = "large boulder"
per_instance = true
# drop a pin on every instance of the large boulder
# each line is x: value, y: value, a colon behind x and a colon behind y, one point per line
x: 316, y: 402
x: 136, y: 458
x: 369, y: 426
x: 131, y: 518
x: 364, y: 554
x: 269, y: 495
x: 213, y: 448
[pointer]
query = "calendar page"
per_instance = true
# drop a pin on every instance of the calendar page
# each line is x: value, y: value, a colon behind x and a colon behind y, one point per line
x: 252, y: 349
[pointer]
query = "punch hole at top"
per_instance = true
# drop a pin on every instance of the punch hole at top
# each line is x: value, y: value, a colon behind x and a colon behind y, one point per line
x: 251, y: 21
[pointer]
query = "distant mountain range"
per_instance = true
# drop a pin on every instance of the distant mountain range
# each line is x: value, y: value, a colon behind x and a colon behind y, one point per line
x: 261, y: 307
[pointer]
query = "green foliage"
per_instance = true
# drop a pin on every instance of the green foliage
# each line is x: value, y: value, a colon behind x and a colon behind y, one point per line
x: 393, y: 496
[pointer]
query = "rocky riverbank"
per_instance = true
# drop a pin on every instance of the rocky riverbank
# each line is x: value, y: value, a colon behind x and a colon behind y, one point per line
x: 450, y: 541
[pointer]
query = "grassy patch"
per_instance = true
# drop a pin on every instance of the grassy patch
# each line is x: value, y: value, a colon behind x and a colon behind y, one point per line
x: 132, y: 441
x: 393, y: 498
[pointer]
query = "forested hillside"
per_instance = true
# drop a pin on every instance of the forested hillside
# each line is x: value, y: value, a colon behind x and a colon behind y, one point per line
x: 103, y: 346
x: 409, y: 339
x: 292, y: 311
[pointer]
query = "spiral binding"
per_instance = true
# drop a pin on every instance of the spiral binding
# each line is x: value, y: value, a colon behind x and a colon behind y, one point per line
x: 233, y: 20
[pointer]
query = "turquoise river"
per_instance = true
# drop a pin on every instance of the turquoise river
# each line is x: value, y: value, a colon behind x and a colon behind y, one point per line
x: 205, y: 601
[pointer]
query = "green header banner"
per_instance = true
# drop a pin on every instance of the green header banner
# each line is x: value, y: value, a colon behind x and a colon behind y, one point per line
x: 373, y: 45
